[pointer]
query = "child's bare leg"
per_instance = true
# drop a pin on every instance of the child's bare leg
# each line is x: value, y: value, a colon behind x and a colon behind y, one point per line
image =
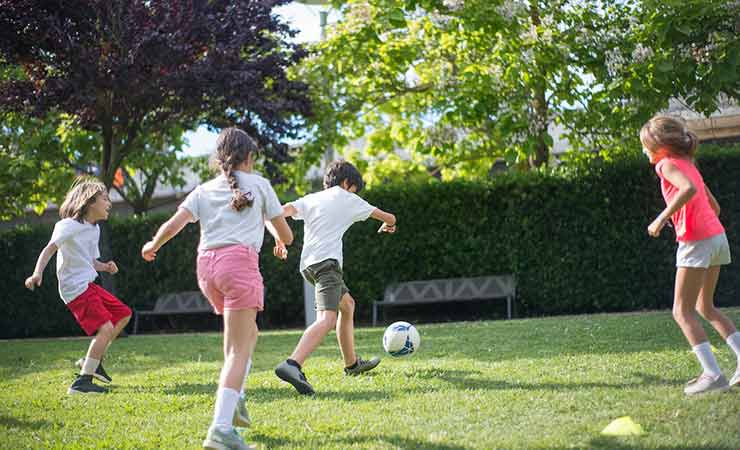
x: 705, y: 305
x: 99, y: 344
x: 689, y: 281
x: 346, y: 329
x: 240, y: 336
x: 314, y: 335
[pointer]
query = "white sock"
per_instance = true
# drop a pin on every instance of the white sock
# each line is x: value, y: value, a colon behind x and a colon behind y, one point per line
x: 225, y: 405
x: 89, y: 366
x: 246, y: 374
x: 703, y: 351
x: 733, y: 341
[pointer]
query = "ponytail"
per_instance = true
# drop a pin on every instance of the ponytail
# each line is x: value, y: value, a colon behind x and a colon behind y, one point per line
x: 233, y: 147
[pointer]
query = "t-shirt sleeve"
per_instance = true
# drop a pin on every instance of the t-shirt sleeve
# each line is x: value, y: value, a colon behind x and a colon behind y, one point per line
x: 191, y: 204
x: 300, y: 207
x: 63, y: 230
x: 271, y: 207
x: 360, y: 209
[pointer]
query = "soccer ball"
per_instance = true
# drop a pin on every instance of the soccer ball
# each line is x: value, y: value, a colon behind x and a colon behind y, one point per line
x: 401, y: 339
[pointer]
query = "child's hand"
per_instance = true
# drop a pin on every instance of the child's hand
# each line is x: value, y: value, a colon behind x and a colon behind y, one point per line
x: 148, y: 251
x: 33, y: 281
x: 654, y: 228
x: 111, y: 267
x: 279, y: 250
x: 387, y: 228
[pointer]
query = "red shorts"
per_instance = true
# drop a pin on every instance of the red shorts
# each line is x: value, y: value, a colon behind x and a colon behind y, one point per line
x: 96, y: 306
x: 230, y: 278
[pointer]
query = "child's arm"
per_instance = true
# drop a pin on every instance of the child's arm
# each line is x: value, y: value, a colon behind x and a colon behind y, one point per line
x: 38, y: 273
x: 167, y: 231
x: 388, y: 219
x: 109, y: 266
x: 712, y: 201
x: 686, y: 190
x: 279, y: 229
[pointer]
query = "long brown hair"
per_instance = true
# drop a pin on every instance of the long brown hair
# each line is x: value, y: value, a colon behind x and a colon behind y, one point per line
x: 233, y: 148
x: 668, y: 135
x: 79, y: 198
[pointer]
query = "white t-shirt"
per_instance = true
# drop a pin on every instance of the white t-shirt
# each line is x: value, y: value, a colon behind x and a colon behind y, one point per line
x: 222, y: 225
x: 78, y: 247
x: 328, y: 214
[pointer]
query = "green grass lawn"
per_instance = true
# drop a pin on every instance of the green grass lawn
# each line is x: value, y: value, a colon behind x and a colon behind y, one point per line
x: 536, y: 383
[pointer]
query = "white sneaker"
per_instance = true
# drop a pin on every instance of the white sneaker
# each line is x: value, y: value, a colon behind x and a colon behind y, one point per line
x: 735, y: 380
x: 706, y: 383
x: 220, y: 440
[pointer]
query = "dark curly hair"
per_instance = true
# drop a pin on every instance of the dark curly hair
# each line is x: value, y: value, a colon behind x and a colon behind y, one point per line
x: 233, y: 148
x: 341, y: 170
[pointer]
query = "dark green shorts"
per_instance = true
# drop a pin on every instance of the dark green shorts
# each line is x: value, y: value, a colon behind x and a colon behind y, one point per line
x: 326, y: 277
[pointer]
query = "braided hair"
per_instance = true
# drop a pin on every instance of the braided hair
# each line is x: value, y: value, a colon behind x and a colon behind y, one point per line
x: 233, y: 147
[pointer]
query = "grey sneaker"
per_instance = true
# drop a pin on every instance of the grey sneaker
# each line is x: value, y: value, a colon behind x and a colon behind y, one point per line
x: 294, y: 376
x: 362, y: 366
x: 84, y: 385
x: 99, y: 374
x: 706, y: 383
x: 220, y: 440
x: 241, y: 415
x: 735, y: 380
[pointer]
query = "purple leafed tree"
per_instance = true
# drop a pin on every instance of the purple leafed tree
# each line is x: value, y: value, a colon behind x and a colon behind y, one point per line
x: 123, y: 66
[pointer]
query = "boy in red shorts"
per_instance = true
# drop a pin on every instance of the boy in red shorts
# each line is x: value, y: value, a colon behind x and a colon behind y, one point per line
x: 97, y: 311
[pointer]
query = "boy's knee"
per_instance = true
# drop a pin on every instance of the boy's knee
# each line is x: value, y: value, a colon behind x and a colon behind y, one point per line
x: 347, y: 304
x: 328, y: 322
x: 707, y: 312
x: 106, y: 331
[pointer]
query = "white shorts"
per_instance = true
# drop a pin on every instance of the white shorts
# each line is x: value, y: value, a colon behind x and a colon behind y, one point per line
x: 713, y: 251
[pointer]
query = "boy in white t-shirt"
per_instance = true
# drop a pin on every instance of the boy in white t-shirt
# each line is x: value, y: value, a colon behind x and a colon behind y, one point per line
x: 96, y: 310
x: 327, y: 215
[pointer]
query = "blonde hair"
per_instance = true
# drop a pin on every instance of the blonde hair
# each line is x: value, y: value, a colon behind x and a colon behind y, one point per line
x: 668, y: 134
x: 82, y: 194
x: 233, y: 147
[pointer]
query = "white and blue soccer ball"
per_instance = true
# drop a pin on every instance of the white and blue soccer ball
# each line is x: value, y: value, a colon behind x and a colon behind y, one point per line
x: 401, y: 339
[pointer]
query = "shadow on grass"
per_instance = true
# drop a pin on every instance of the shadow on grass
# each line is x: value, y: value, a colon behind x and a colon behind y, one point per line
x: 12, y: 422
x: 395, y: 441
x: 609, y: 442
x: 469, y: 379
x: 267, y: 394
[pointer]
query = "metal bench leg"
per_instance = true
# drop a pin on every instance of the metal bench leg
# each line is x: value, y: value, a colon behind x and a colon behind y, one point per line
x: 508, y: 307
x: 136, y: 323
x: 375, y: 314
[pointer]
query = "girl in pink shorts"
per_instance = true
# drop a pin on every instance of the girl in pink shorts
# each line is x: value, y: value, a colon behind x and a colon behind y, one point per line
x: 97, y: 311
x: 702, y: 245
x: 232, y: 209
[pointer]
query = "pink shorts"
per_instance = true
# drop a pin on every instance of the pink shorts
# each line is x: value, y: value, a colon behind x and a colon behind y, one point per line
x: 96, y: 306
x: 230, y: 278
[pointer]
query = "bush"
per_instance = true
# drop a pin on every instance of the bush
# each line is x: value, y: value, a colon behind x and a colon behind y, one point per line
x: 576, y: 241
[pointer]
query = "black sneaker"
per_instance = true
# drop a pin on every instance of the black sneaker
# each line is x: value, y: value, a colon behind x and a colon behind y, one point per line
x: 295, y: 376
x: 84, y: 385
x: 100, y: 373
x: 362, y: 365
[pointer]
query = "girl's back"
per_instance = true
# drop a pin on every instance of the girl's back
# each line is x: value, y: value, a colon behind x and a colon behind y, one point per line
x: 221, y: 224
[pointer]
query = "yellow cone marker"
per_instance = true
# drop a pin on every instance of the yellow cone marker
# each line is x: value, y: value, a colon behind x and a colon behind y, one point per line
x: 624, y: 426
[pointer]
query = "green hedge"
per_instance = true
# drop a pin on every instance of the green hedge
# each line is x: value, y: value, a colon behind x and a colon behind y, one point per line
x: 577, y: 243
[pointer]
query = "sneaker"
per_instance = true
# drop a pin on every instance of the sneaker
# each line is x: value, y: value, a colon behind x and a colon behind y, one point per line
x: 294, y: 376
x: 362, y: 366
x: 100, y: 373
x: 706, y: 383
x: 84, y: 385
x: 225, y: 440
x: 241, y: 415
x: 735, y: 380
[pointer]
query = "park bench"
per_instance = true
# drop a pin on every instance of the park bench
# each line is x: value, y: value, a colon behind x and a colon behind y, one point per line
x: 191, y: 302
x: 448, y: 290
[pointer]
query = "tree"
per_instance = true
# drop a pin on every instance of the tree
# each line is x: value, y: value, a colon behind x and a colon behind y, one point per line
x: 687, y: 50
x: 123, y: 67
x: 463, y: 83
